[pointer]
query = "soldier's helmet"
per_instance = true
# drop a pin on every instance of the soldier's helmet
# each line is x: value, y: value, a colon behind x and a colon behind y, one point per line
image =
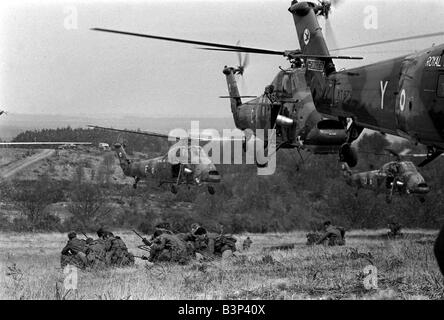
x: 200, y: 231
x: 72, y: 235
x: 194, y: 227
x: 108, y: 234
x: 100, y: 232
x: 156, y: 234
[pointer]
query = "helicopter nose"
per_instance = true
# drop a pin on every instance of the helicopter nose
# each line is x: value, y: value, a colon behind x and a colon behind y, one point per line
x: 213, y: 176
x: 421, y: 188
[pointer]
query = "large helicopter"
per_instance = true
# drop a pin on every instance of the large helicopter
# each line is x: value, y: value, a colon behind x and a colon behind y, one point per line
x: 330, y: 109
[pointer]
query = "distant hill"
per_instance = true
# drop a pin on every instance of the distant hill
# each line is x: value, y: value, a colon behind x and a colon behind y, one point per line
x: 12, y: 124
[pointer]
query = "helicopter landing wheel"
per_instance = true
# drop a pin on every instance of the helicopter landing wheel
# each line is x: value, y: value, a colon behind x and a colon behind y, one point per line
x: 173, y: 189
x: 211, y: 190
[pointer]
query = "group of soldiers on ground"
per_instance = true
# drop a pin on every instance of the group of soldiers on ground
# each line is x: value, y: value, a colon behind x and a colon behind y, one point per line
x: 109, y: 250
x: 164, y: 245
x: 105, y: 251
x: 335, y: 236
x: 331, y: 236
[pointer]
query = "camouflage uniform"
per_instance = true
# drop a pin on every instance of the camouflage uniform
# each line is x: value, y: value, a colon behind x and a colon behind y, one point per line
x: 189, y: 240
x: 96, y: 254
x: 74, y: 253
x: 117, y: 253
x: 204, y: 245
x: 246, y: 244
x: 313, y: 238
x: 333, y: 236
x: 224, y: 242
x: 395, y: 229
x: 168, y: 247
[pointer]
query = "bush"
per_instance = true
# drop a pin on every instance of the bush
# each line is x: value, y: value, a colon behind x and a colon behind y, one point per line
x: 32, y: 198
x: 88, y: 207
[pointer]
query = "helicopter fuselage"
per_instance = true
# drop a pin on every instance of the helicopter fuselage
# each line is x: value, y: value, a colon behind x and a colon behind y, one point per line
x: 402, y: 96
x: 288, y: 107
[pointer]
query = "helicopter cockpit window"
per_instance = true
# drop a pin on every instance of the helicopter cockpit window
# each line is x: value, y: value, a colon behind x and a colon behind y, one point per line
x: 440, y: 89
x: 198, y: 155
x: 408, y: 166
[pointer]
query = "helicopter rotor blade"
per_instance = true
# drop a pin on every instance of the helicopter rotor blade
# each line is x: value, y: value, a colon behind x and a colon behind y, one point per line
x: 239, y: 54
x: 391, y: 41
x: 246, y: 60
x: 225, y: 47
x: 202, y: 43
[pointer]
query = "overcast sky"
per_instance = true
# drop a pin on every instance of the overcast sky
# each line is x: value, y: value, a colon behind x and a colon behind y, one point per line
x: 47, y: 68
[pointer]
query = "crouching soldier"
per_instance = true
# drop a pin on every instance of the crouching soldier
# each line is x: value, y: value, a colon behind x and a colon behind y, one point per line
x: 74, y: 253
x: 247, y: 244
x: 224, y: 242
x: 168, y: 248
x: 95, y: 252
x: 203, y: 243
x: 395, y: 229
x: 333, y: 236
x: 117, y: 253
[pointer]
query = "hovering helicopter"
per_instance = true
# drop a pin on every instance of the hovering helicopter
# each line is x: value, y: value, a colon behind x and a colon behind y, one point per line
x: 402, y: 96
x: 196, y: 170
x: 410, y: 92
x: 286, y: 106
x: 397, y: 176
x: 2, y: 112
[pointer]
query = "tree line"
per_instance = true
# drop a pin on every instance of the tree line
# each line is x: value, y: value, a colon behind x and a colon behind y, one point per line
x: 301, y: 194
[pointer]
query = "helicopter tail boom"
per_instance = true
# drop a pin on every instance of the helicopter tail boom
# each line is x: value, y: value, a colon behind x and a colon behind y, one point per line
x: 233, y: 92
x: 310, y: 37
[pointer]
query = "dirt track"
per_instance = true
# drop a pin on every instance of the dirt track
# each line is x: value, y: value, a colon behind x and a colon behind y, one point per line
x: 11, y: 169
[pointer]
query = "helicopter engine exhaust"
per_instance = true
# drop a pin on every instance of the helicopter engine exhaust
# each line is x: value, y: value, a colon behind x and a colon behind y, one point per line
x: 284, y: 121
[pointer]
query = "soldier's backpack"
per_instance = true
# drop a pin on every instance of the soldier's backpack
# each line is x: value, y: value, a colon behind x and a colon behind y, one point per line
x: 224, y: 242
x: 96, y: 254
x: 168, y: 247
x: 118, y: 254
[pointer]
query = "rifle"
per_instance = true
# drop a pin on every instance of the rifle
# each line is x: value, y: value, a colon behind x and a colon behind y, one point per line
x: 137, y: 234
x: 144, y: 240
x: 84, y: 235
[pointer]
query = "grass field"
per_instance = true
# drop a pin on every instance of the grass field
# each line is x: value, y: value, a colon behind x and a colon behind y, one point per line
x: 406, y: 269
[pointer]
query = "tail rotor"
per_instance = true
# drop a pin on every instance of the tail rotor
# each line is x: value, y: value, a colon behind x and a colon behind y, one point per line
x: 242, y: 63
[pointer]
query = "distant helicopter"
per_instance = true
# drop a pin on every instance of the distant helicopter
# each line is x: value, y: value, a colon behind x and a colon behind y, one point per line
x: 2, y: 112
x: 398, y: 176
x: 401, y: 96
x: 196, y: 171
